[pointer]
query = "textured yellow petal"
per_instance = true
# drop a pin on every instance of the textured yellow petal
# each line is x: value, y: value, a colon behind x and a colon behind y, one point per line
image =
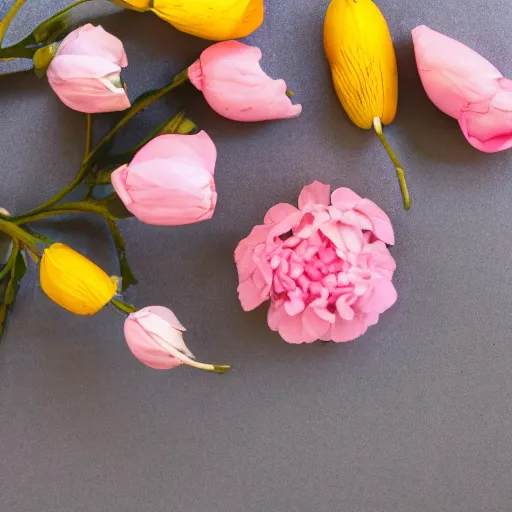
x: 74, y: 282
x: 136, y: 5
x: 216, y: 20
x: 360, y: 51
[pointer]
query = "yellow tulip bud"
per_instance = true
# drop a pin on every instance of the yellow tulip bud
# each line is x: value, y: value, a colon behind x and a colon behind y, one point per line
x: 360, y: 52
x: 216, y: 20
x: 74, y: 282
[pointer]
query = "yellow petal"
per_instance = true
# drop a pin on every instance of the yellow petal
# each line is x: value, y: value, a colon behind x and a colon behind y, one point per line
x: 360, y: 51
x: 216, y: 20
x: 74, y: 282
x: 136, y: 5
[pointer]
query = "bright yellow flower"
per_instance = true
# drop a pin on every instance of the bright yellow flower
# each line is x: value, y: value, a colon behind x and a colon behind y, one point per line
x: 74, y: 282
x: 216, y: 20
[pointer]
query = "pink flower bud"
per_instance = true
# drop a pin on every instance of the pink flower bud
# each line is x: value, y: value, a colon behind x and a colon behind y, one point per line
x: 464, y: 85
x: 233, y: 83
x: 170, y: 181
x: 155, y: 337
x: 85, y: 72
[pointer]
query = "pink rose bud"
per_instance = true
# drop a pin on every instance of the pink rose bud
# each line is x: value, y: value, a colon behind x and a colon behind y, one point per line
x: 155, y: 337
x: 170, y: 181
x: 85, y: 72
x: 324, y: 266
x: 235, y: 86
x: 464, y: 85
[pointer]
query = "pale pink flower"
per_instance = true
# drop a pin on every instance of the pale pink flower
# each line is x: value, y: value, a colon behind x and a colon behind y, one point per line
x: 86, y: 71
x: 155, y: 337
x: 325, y: 268
x: 464, y: 85
x: 170, y: 181
x: 232, y: 81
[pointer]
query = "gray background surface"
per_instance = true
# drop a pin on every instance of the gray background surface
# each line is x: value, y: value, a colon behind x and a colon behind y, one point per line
x: 415, y: 416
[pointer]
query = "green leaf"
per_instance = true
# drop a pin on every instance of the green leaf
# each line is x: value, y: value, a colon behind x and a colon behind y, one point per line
x: 9, y: 286
x: 20, y: 267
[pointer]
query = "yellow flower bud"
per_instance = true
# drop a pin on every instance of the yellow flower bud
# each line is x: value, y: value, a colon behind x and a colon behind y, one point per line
x: 74, y: 282
x: 216, y: 20
x: 360, y: 52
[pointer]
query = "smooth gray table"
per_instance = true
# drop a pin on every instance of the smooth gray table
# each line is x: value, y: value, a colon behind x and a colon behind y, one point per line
x: 414, y: 417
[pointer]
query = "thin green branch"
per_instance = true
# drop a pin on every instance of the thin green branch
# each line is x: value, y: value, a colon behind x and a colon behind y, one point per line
x: 17, y: 233
x: 11, y: 14
x: 88, y: 136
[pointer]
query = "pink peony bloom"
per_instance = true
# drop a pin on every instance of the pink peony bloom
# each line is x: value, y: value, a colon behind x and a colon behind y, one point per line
x: 464, y: 85
x: 232, y: 81
x: 155, y: 337
x: 325, y: 268
x: 85, y: 72
x: 170, y: 181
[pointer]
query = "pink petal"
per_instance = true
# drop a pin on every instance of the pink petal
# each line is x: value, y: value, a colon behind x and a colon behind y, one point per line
x: 344, y: 310
x: 286, y: 225
x: 381, y: 297
x: 250, y: 295
x: 311, y: 195
x: 275, y: 314
x: 294, y: 306
x: 382, y: 227
x: 198, y: 149
x: 145, y: 349
x: 489, y: 129
x: 352, y: 238
x: 344, y: 331
x: 314, y: 326
x: 279, y: 212
x: 167, y: 315
x: 345, y: 199
x: 292, y: 330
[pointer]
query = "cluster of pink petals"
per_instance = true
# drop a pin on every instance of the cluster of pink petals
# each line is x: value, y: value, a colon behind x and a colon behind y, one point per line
x: 325, y: 267
x: 464, y: 85
x: 86, y: 71
x: 170, y: 180
x: 234, y: 85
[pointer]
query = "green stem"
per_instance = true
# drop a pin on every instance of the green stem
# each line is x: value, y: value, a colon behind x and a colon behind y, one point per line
x: 377, y: 125
x: 127, y: 308
x: 120, y: 245
x: 88, y: 136
x: 10, y: 263
x: 17, y: 233
x: 139, y: 105
x: 4, y: 24
x: 64, y: 209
